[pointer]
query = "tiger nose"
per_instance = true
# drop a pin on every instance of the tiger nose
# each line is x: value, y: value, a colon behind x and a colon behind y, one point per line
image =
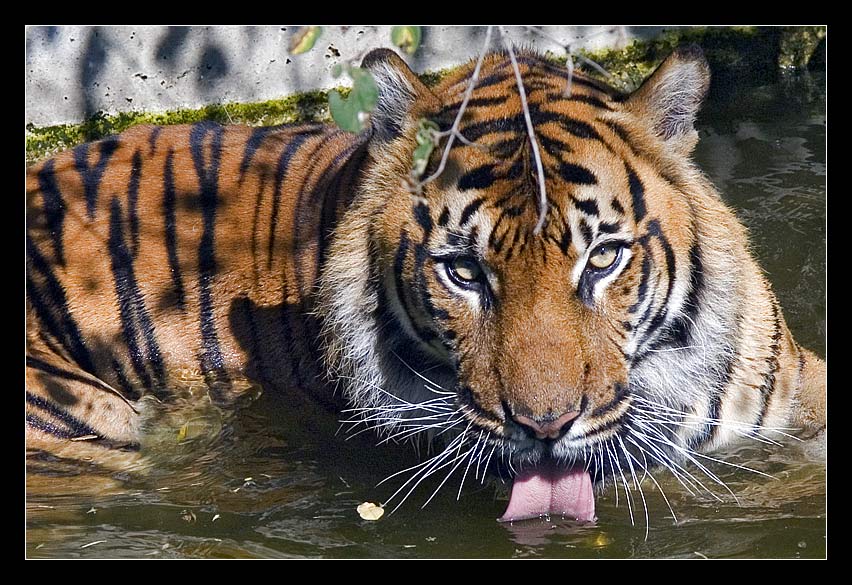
x: 547, y: 427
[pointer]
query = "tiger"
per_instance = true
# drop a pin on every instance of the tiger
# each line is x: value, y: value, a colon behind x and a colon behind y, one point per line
x: 565, y: 297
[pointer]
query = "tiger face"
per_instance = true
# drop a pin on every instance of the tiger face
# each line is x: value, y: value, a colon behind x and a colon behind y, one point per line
x: 563, y: 335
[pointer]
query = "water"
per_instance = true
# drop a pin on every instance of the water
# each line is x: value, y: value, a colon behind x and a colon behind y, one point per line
x: 262, y: 484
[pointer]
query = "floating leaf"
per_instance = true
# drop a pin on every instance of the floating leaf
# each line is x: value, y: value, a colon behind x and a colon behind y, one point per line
x: 188, y: 516
x: 305, y: 39
x: 182, y: 431
x: 370, y: 511
x: 406, y: 38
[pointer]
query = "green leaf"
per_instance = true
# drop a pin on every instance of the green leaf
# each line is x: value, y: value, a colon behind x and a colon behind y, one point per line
x: 305, y: 39
x: 352, y: 112
x: 364, y: 89
x: 344, y: 112
x: 406, y: 38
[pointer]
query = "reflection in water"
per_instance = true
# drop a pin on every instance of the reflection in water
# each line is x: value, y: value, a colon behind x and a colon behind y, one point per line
x: 258, y: 484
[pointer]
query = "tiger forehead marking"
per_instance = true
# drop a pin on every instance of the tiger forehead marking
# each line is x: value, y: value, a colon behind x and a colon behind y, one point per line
x: 634, y: 327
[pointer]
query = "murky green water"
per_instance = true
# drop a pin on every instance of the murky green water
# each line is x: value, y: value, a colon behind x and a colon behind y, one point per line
x: 268, y: 486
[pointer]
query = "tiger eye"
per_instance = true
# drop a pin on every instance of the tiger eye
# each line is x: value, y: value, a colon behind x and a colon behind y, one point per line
x: 603, y: 257
x: 466, y: 269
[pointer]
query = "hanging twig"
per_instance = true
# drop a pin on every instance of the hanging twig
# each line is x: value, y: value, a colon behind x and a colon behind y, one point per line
x: 569, y: 63
x: 542, y: 214
x: 454, y: 131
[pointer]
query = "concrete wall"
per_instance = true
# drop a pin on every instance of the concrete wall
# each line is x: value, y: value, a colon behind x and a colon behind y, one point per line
x: 73, y: 72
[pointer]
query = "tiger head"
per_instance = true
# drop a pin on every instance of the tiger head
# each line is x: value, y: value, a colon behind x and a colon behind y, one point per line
x: 523, y: 323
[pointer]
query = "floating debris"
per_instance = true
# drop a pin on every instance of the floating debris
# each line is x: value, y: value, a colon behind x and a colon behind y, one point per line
x: 370, y: 511
x: 188, y: 516
x: 92, y: 510
x: 216, y: 517
x: 93, y: 543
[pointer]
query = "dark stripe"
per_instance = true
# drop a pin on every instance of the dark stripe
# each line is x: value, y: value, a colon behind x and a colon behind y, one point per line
x: 479, y: 102
x: 421, y: 214
x: 587, y: 99
x: 517, y: 124
x: 255, y: 228
x: 655, y: 231
x: 280, y: 173
x: 169, y: 200
x: 579, y: 129
x: 616, y: 206
x: 679, y: 333
x: 424, y: 336
x: 137, y: 327
x: 92, y: 176
x: 585, y: 232
x: 495, y: 241
x: 714, y: 409
x: 576, y: 79
x: 608, y: 228
x: 338, y: 196
x: 42, y: 425
x: 152, y: 140
x: 478, y: 178
x: 127, y: 388
x: 619, y: 131
x: 54, y: 208
x: 132, y: 200
x: 207, y: 169
x: 552, y: 146
x: 77, y: 427
x: 307, y: 200
x: 477, y: 130
x: 643, y: 281
x: 469, y: 210
x: 511, y: 249
x: 47, y: 298
x: 256, y: 353
x: 43, y: 366
x: 572, y: 173
x: 252, y: 144
x: 768, y: 386
x: 620, y: 392
x: 587, y: 206
x: 637, y: 194
x: 421, y: 286
x: 444, y: 218
x: 565, y: 241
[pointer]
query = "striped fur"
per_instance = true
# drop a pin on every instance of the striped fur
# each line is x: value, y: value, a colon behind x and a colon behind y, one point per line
x: 297, y: 258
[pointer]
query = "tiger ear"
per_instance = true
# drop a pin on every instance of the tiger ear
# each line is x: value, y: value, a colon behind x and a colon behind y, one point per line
x: 402, y: 96
x: 670, y: 98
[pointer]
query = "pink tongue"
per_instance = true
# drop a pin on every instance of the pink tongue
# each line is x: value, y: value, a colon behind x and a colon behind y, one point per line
x: 549, y: 491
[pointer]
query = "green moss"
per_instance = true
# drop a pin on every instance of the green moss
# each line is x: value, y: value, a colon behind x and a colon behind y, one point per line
x: 752, y: 51
x: 303, y: 107
x: 798, y: 45
x: 432, y: 78
x: 726, y: 48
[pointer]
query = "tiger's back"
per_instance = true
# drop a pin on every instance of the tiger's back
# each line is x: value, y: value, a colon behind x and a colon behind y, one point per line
x: 168, y: 250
